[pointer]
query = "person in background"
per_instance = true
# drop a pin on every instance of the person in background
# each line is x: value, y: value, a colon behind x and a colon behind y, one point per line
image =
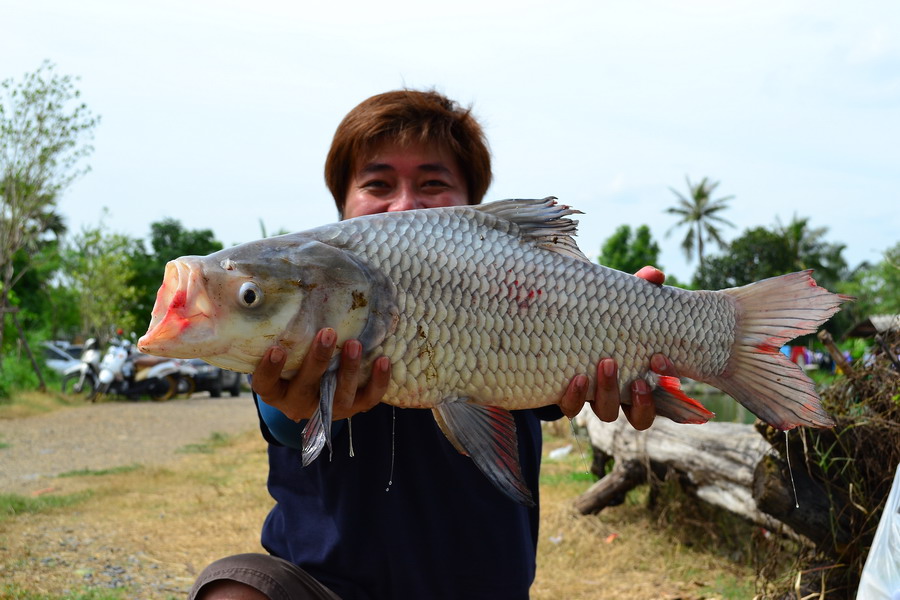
x: 407, y: 516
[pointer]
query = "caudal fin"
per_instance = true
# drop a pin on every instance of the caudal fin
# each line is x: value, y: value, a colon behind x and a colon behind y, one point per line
x: 771, y: 313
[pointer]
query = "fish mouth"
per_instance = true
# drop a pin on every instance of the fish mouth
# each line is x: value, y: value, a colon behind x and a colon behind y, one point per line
x: 182, y: 317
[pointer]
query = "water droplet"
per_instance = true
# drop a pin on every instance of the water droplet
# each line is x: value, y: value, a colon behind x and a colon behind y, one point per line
x: 393, y: 440
x: 787, y: 453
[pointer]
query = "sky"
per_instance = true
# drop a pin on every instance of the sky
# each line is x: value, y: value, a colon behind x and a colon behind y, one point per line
x: 219, y: 113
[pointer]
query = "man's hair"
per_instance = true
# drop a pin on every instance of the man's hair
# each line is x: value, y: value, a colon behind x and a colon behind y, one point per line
x: 407, y: 117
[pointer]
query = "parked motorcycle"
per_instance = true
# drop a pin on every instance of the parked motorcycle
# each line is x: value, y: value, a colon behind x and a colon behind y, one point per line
x: 187, y: 378
x: 132, y: 374
x: 84, y: 378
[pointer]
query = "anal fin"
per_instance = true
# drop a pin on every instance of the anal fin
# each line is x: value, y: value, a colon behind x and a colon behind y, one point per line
x: 486, y: 434
x: 673, y: 403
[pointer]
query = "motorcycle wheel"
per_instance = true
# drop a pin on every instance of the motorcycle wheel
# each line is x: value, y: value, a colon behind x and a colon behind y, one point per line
x: 186, y: 386
x: 70, y: 385
x: 164, y: 389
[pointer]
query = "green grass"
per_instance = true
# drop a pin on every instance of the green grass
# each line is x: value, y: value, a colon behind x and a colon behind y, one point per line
x: 12, y: 505
x: 729, y: 588
x: 216, y: 440
x: 14, y: 592
x: 98, y: 472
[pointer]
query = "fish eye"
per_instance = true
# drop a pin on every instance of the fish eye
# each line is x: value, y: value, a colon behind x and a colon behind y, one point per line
x: 250, y: 296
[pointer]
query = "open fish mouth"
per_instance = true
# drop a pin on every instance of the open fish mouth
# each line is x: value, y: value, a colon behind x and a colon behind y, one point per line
x: 183, y: 312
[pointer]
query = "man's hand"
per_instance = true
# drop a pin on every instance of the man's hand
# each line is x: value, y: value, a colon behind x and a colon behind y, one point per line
x: 605, y: 403
x: 298, y: 398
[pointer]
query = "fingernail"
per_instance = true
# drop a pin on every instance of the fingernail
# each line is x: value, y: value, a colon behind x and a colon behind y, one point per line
x: 609, y: 368
x: 658, y: 363
x: 581, y: 382
x: 643, y: 389
x: 328, y: 338
x: 276, y: 355
x: 352, y: 350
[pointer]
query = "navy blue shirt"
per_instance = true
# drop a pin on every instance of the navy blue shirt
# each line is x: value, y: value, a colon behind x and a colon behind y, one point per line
x: 407, y: 516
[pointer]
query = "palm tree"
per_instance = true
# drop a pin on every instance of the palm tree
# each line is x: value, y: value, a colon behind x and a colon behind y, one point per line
x: 698, y: 212
x: 808, y: 250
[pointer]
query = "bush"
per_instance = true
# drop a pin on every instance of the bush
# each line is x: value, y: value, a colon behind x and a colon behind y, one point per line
x: 16, y: 373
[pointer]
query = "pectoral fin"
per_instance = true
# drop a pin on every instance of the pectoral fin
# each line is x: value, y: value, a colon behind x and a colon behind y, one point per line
x: 317, y: 433
x: 487, y: 435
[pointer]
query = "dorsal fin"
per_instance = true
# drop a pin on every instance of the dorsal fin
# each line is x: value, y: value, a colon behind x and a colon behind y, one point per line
x: 543, y: 222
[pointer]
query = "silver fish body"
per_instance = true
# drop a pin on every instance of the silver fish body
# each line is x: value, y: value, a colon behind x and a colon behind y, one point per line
x: 483, y: 310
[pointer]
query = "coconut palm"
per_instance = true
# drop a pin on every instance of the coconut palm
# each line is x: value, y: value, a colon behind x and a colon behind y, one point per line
x: 698, y: 211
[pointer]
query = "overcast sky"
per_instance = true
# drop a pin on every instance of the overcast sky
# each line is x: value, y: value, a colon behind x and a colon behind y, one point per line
x: 220, y: 113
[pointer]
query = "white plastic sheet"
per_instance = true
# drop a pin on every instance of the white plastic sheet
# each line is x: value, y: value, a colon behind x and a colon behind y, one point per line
x: 881, y: 574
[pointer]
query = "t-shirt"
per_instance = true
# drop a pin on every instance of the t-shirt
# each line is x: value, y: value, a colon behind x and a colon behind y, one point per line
x: 406, y: 516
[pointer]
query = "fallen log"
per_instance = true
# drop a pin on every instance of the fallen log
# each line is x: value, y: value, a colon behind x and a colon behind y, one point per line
x: 715, y: 462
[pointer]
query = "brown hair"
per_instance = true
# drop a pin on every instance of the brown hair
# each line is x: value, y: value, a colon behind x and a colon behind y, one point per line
x: 409, y: 117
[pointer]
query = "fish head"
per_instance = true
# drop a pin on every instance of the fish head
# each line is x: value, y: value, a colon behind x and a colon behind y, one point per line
x: 229, y: 307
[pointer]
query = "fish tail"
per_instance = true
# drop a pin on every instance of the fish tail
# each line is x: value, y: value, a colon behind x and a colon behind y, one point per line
x: 771, y: 313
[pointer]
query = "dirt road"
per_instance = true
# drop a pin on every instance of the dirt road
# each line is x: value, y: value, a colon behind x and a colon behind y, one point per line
x: 112, y: 434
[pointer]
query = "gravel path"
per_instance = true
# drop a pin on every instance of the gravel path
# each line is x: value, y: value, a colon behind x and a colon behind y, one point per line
x: 112, y: 434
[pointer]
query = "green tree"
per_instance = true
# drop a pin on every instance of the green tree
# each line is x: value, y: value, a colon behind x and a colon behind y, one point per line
x: 757, y: 254
x: 809, y: 250
x: 876, y: 287
x: 98, y: 269
x: 44, y: 135
x: 699, y: 213
x: 627, y: 252
x: 168, y: 240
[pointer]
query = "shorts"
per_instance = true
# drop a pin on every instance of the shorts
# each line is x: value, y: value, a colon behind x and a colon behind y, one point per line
x: 275, y: 577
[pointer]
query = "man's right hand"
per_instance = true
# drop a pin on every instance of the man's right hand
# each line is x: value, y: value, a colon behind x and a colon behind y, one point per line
x: 298, y: 397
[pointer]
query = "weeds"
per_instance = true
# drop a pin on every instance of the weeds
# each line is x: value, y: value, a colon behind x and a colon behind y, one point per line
x: 12, y: 505
x: 216, y: 440
x: 854, y: 465
x: 100, y: 472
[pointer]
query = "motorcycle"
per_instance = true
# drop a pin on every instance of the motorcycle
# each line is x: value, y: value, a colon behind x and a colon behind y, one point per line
x: 129, y: 374
x: 84, y: 378
x: 187, y: 378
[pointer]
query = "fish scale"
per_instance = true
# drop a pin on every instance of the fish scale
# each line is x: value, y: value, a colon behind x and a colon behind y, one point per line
x: 483, y: 310
x: 565, y: 336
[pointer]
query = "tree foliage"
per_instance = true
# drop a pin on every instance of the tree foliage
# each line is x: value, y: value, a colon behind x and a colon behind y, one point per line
x: 98, y: 269
x: 627, y: 252
x: 44, y: 135
x: 699, y: 213
x: 760, y: 253
x: 876, y: 287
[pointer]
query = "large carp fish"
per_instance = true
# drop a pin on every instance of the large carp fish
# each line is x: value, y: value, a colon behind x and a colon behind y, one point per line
x: 483, y: 310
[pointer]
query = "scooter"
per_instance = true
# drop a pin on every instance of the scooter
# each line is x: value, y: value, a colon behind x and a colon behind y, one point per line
x: 84, y: 378
x: 124, y: 373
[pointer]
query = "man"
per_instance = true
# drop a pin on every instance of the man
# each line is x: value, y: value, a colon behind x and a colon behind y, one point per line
x: 408, y: 516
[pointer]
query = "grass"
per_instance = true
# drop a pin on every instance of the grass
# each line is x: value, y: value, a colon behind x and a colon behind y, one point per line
x: 14, y: 592
x: 626, y: 551
x: 31, y: 403
x: 163, y: 524
x: 12, y: 505
x: 99, y: 472
x: 216, y: 440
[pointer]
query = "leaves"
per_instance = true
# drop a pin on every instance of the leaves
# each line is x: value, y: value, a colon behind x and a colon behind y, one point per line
x: 626, y: 253
x: 44, y: 137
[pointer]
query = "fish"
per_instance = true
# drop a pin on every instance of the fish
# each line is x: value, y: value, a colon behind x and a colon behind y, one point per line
x: 483, y: 310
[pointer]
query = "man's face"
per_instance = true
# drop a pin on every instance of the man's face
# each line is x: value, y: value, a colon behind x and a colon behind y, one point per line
x: 405, y: 177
